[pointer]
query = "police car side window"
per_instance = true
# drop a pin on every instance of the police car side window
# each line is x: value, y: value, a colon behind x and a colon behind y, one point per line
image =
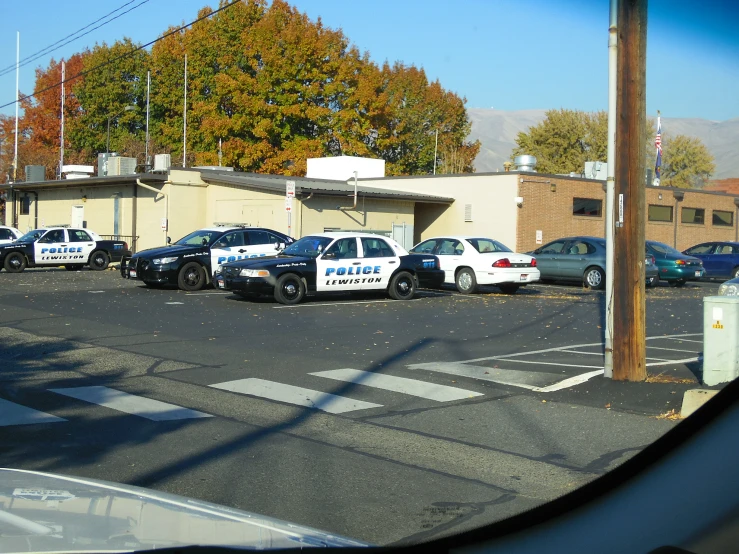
x: 233, y: 239
x: 343, y: 249
x: 56, y: 235
x: 5, y: 234
x: 376, y: 248
x: 259, y: 237
x: 79, y: 236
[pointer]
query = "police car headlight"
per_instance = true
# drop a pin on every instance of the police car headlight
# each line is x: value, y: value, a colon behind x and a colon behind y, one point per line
x: 728, y: 290
x: 161, y: 261
x: 254, y: 273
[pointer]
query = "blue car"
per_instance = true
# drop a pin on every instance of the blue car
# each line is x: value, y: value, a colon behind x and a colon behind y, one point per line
x: 720, y: 259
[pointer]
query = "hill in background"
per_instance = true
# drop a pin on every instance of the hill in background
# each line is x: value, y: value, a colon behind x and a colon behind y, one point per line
x: 497, y: 131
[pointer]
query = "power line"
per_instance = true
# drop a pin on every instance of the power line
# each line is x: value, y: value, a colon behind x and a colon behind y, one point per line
x: 122, y: 56
x: 49, y: 49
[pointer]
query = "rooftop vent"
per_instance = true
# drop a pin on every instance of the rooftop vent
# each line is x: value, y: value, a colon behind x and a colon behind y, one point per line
x: 525, y: 163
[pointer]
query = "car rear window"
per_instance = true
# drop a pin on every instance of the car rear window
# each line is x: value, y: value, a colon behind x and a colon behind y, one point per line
x: 488, y: 245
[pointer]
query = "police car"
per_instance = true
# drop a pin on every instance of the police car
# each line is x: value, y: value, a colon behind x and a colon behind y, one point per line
x: 61, y: 246
x: 190, y: 262
x: 333, y: 262
x: 9, y: 234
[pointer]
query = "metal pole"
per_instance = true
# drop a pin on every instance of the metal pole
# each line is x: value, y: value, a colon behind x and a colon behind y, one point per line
x: 17, y: 74
x: 629, y: 317
x: 148, y: 89
x: 184, y: 128
x: 612, y: 73
x: 220, y: 153
x: 436, y: 147
x: 107, y: 142
x: 61, y: 141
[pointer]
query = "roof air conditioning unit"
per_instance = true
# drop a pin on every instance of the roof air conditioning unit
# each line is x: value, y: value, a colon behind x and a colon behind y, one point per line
x: 162, y: 162
x: 120, y: 165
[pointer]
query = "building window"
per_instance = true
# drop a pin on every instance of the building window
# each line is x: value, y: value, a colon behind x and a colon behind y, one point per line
x: 725, y: 219
x: 660, y: 213
x: 587, y: 206
x: 25, y: 205
x: 693, y: 215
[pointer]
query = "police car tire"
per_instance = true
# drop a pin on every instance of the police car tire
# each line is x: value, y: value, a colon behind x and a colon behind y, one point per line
x: 12, y: 268
x: 402, y: 286
x: 466, y: 276
x: 196, y: 279
x: 99, y: 260
x: 290, y: 289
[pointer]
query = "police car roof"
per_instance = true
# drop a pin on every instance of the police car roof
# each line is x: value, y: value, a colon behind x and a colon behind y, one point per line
x: 225, y: 228
x: 343, y: 234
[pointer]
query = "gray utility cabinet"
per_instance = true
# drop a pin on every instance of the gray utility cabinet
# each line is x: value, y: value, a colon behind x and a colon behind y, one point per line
x: 720, y: 339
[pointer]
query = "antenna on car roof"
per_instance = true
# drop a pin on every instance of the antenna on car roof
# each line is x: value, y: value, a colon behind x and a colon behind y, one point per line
x: 226, y: 224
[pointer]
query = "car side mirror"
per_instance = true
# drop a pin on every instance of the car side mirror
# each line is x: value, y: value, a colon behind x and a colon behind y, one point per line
x: 279, y: 246
x: 205, y: 241
x: 169, y: 240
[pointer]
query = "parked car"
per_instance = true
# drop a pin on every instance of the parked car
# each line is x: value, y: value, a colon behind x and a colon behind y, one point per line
x: 582, y: 260
x: 471, y: 261
x: 720, y: 259
x: 729, y: 288
x: 9, y: 234
x: 675, y: 267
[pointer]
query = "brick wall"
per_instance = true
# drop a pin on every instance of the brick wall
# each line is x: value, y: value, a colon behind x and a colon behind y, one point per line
x: 551, y: 212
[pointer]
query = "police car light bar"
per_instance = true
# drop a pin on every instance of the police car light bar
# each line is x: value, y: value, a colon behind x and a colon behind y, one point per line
x: 223, y: 224
x: 60, y: 226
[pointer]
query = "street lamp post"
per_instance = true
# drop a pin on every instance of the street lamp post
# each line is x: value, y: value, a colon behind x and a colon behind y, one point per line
x: 110, y: 117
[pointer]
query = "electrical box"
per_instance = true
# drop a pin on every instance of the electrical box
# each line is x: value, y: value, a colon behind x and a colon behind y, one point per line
x: 35, y: 173
x: 720, y: 339
x: 120, y: 165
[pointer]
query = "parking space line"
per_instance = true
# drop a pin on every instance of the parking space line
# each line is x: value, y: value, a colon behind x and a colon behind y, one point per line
x: 667, y: 362
x: 570, y: 382
x: 298, y: 396
x: 684, y: 340
x: 153, y: 410
x: 578, y: 352
x: 411, y: 387
x: 549, y: 363
x: 16, y: 414
x: 672, y: 349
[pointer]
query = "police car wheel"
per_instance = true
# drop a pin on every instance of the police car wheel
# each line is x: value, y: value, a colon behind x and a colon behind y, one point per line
x: 99, y: 260
x: 191, y: 277
x: 15, y: 262
x: 466, y: 281
x: 73, y: 267
x: 402, y: 286
x: 289, y: 289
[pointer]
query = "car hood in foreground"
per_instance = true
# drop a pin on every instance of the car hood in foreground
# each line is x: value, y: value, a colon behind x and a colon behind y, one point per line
x: 43, y: 512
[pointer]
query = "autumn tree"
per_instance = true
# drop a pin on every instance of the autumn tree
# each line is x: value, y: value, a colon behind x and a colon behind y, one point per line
x: 686, y: 162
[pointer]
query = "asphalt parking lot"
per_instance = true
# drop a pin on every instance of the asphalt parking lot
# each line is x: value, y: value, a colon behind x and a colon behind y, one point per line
x: 377, y: 419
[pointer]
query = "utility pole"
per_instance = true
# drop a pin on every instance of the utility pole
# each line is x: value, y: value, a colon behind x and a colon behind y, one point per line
x: 17, y: 75
x: 629, y: 319
x: 146, y: 147
x: 610, y: 178
x: 61, y: 138
x: 436, y: 147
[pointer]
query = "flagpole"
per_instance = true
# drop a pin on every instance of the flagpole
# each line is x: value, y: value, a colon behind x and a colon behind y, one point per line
x: 658, y: 146
x: 17, y: 74
x: 61, y: 139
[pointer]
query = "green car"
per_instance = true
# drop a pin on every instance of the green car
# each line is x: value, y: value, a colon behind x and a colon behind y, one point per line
x: 675, y: 267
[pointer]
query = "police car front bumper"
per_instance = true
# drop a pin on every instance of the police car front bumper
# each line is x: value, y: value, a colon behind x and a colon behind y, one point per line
x: 430, y: 278
x: 144, y: 270
x: 250, y: 285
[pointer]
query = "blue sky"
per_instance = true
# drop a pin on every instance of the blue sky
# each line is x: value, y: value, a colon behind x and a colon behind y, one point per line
x: 505, y: 54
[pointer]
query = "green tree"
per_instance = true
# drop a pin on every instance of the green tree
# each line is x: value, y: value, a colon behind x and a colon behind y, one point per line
x: 686, y: 162
x: 105, y: 92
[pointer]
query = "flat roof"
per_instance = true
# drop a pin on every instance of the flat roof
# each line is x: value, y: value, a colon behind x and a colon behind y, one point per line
x: 110, y: 180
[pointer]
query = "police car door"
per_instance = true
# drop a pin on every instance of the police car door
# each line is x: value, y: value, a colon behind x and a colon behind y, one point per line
x: 228, y: 248
x: 339, y: 267
x: 81, y: 245
x: 262, y: 243
x: 379, y: 263
x: 51, y: 249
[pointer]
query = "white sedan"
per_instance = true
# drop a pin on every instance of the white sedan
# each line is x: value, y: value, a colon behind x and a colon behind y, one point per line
x: 9, y: 234
x: 471, y: 261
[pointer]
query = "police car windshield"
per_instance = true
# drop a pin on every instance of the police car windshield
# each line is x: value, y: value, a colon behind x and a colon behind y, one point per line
x: 488, y: 245
x: 196, y: 238
x: 310, y: 247
x: 30, y: 236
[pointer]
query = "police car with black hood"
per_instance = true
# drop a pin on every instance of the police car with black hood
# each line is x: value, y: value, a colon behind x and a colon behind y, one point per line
x: 327, y: 262
x: 190, y: 262
x: 61, y: 246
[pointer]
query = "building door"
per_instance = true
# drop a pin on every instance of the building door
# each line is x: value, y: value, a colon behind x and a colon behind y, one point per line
x: 403, y: 234
x: 78, y: 216
x: 116, y: 215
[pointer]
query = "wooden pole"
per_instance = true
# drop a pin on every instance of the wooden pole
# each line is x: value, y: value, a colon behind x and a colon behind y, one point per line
x: 629, y: 320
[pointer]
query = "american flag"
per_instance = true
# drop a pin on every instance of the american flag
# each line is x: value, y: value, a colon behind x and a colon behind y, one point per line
x: 658, y: 144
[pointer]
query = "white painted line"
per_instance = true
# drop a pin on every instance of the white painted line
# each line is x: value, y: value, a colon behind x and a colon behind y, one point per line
x: 513, y: 377
x: 299, y: 396
x: 96, y: 291
x: 672, y: 349
x: 587, y: 353
x: 571, y: 382
x: 337, y: 303
x: 675, y: 336
x: 683, y: 340
x: 668, y: 362
x: 15, y: 414
x: 412, y: 387
x: 130, y: 403
x: 174, y: 303
x: 550, y: 363
x: 658, y: 359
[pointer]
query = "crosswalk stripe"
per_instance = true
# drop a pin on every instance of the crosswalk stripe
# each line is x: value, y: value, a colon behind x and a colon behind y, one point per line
x: 15, y: 414
x: 412, y: 387
x: 153, y: 410
x: 513, y: 377
x: 299, y: 396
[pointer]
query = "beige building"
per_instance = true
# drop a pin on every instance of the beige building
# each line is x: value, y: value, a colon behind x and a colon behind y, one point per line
x: 521, y: 209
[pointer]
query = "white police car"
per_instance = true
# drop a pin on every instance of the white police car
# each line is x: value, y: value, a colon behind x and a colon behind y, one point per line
x: 190, y: 262
x: 61, y: 246
x: 330, y: 262
x: 9, y: 234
